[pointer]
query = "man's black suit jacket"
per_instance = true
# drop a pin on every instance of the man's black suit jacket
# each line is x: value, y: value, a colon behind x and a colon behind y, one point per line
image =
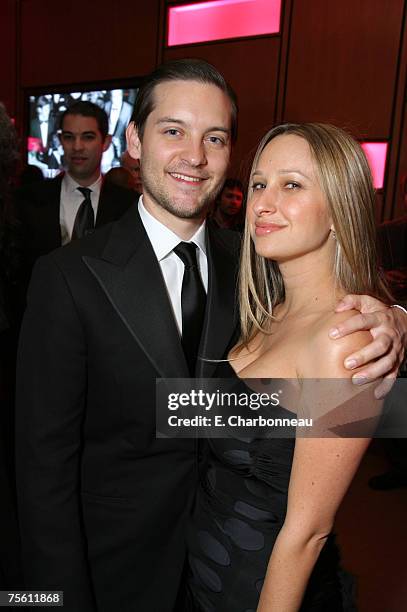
x: 38, y: 210
x: 102, y: 502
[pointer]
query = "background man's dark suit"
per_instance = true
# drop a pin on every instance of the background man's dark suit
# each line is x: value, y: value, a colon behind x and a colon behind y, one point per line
x: 35, y: 131
x: 103, y: 503
x: 38, y: 207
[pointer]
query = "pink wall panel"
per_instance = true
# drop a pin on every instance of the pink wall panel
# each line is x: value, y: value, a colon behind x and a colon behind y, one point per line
x: 204, y: 21
x: 376, y: 153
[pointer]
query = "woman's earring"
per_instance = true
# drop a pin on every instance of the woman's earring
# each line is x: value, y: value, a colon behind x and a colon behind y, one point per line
x: 338, y: 259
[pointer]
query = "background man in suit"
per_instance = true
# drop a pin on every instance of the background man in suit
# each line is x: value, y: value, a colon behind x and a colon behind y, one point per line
x: 103, y: 503
x: 72, y: 204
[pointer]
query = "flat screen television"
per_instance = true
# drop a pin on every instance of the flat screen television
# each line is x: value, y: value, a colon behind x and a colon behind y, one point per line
x: 45, y: 106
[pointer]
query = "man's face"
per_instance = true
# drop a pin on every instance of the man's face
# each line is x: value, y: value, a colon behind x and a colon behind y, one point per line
x: 185, y: 149
x: 43, y: 112
x: 231, y: 200
x: 83, y: 147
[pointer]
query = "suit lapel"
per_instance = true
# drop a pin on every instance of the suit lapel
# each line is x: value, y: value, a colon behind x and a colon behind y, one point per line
x: 131, y: 278
x: 220, y: 319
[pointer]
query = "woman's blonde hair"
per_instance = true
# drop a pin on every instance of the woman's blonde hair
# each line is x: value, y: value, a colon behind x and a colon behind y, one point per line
x: 345, y: 179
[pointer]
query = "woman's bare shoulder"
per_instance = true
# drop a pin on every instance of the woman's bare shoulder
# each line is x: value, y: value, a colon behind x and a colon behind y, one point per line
x: 324, y: 355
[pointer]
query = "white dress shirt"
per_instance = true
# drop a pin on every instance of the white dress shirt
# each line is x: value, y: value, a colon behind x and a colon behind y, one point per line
x: 44, y: 133
x: 71, y: 199
x: 163, y: 241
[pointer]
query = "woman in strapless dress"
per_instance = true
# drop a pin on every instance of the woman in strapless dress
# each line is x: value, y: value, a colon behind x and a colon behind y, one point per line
x: 261, y: 533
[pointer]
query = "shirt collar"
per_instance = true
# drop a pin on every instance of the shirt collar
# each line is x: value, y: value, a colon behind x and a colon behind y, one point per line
x: 71, y: 184
x: 164, y: 240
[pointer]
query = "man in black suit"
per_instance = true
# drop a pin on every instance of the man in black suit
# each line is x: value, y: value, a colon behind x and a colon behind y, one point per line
x: 49, y: 210
x: 103, y: 503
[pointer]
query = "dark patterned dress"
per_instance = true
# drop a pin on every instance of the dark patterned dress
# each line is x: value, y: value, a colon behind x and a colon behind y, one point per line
x: 240, y: 509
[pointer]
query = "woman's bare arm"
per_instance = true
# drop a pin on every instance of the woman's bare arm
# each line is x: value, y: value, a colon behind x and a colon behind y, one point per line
x: 321, y: 473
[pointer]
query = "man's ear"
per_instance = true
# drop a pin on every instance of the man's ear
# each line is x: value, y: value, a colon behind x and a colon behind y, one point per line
x: 133, y: 141
x: 107, y: 142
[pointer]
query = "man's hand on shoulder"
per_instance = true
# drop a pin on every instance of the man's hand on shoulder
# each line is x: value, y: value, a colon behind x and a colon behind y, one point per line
x: 384, y: 355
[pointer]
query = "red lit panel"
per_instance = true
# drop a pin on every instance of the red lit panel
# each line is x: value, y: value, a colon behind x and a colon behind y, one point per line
x: 194, y: 23
x: 376, y: 153
x: 34, y: 144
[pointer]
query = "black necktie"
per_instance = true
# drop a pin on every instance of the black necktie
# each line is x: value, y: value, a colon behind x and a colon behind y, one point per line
x: 85, y: 217
x: 193, y: 300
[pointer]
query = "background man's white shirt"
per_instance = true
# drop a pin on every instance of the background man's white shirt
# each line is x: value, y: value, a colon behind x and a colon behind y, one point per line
x: 71, y: 199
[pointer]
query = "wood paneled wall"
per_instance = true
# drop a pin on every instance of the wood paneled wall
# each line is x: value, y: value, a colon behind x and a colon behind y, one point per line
x: 343, y: 62
x: 87, y: 40
x: 8, y: 54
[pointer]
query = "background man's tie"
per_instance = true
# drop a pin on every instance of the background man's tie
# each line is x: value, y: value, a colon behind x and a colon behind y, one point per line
x: 193, y: 301
x: 85, y: 217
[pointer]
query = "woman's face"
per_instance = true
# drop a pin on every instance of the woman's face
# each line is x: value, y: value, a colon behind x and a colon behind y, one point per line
x: 287, y: 211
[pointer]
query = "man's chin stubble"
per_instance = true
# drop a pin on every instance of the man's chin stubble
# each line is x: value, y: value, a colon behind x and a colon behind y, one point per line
x: 180, y: 211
